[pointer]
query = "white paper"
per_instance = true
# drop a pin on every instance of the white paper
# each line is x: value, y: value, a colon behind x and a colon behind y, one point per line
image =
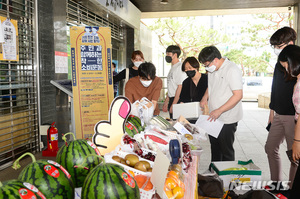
x: 212, y: 128
x: 181, y: 129
x: 10, y: 44
x: 159, y: 172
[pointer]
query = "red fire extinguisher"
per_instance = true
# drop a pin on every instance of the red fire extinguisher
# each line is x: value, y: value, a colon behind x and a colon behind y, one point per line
x: 52, y: 141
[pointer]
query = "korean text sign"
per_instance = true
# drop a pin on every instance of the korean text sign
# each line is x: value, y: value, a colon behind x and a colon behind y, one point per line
x: 91, y: 77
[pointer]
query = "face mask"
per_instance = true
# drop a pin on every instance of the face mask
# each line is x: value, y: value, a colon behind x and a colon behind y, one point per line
x: 211, y: 68
x: 168, y: 59
x: 146, y: 83
x: 190, y: 73
x: 277, y: 51
x: 137, y: 63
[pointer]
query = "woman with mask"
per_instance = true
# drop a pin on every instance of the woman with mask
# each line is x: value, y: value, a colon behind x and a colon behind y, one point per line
x: 137, y: 59
x: 146, y: 84
x: 289, y: 58
x: 195, y: 85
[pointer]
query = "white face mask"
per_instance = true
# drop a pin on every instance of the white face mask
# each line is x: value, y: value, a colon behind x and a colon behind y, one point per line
x: 146, y: 83
x: 137, y: 63
x: 211, y: 68
x: 277, y: 51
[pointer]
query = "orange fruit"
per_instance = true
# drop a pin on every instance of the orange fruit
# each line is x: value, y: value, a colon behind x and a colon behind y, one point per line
x: 170, y: 183
x: 172, y: 174
x: 141, y: 180
x: 169, y: 193
x: 178, y: 192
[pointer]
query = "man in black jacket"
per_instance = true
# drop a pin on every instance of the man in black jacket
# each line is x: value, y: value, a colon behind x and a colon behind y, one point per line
x: 282, y: 110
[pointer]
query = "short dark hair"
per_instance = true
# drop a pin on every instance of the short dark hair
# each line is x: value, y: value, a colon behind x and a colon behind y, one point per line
x: 291, y: 54
x: 114, y: 65
x: 209, y: 53
x: 147, y: 69
x: 174, y: 49
x: 192, y: 61
x: 283, y: 35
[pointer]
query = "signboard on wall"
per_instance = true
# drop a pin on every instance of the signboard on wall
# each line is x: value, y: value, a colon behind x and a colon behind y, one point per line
x: 91, y: 77
x: 9, y: 50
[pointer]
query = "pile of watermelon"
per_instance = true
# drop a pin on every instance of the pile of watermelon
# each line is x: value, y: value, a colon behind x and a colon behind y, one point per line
x: 78, y: 165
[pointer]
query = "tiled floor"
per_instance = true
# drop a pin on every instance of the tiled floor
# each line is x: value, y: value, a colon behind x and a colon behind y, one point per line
x: 249, y: 144
x: 250, y: 139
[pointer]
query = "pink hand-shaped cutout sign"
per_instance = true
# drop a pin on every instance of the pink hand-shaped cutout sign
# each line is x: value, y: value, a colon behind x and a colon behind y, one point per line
x: 108, y: 134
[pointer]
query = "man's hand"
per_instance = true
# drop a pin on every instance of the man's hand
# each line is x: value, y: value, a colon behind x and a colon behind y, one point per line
x: 214, y: 115
x: 296, y: 150
x: 165, y: 107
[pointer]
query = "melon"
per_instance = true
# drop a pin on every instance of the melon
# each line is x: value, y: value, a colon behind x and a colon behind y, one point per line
x: 16, y: 189
x: 73, y: 153
x: 48, y: 176
x: 133, y: 125
x: 109, y: 181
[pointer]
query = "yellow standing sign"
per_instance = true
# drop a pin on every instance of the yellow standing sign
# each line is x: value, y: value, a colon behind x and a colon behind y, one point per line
x: 91, y: 77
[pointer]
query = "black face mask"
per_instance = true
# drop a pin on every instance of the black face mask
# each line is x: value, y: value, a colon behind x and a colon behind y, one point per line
x: 168, y: 59
x: 190, y: 73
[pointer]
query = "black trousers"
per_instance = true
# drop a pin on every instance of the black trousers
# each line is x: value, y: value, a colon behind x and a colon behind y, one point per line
x: 222, y: 147
x: 171, y: 99
x: 295, y: 192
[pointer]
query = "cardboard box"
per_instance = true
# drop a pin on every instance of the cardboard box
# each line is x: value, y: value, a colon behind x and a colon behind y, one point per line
x: 189, y: 110
x: 225, y: 170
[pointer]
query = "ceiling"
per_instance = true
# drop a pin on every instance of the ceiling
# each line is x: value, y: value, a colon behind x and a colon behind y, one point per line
x: 192, y: 5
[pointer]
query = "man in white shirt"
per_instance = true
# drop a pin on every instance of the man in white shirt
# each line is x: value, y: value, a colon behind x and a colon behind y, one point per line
x: 174, y: 79
x: 224, y: 95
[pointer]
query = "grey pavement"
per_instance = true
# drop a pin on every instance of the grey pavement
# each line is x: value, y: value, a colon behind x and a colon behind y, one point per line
x: 249, y: 142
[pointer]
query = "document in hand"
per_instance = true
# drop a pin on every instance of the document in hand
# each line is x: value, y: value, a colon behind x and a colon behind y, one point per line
x: 212, y: 128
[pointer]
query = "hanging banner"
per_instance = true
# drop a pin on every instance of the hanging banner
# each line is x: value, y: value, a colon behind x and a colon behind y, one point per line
x: 91, y: 77
x: 10, y: 46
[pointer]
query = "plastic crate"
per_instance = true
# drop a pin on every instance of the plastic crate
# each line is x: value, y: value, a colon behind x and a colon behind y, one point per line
x: 108, y: 159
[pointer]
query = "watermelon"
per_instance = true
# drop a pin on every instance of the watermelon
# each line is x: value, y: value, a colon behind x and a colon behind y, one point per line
x: 73, y: 153
x: 109, y: 181
x: 16, y: 189
x: 48, y: 176
x: 133, y: 125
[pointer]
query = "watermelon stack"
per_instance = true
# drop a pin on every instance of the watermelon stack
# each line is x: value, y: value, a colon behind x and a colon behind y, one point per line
x: 109, y: 181
x: 74, y: 153
x: 16, y: 189
x: 48, y: 176
x: 133, y: 125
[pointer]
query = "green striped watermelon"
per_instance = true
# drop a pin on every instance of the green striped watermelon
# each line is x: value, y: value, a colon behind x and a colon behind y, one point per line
x: 73, y: 153
x: 48, y: 176
x: 109, y: 181
x: 16, y: 189
x: 133, y: 125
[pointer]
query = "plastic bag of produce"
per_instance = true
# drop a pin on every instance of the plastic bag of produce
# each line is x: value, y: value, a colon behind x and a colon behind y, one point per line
x: 174, y: 186
x: 144, y: 109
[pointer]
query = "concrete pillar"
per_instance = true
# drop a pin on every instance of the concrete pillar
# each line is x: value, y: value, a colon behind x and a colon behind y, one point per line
x: 297, y: 21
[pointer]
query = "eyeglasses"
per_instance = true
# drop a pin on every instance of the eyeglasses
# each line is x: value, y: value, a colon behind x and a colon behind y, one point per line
x: 279, y: 46
x: 207, y: 64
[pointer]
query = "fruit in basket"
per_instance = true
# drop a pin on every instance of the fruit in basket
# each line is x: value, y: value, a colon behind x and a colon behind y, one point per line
x: 149, y: 170
x: 116, y: 158
x: 16, y: 189
x: 123, y: 161
x: 140, y: 166
x: 133, y: 125
x: 147, y: 164
x: 178, y: 192
x: 143, y: 182
x: 48, y: 176
x: 109, y: 181
x: 188, y: 136
x: 131, y: 159
x: 73, y: 153
x: 170, y: 183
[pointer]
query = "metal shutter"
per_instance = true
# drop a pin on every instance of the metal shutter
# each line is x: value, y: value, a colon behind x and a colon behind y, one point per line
x: 18, y: 97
